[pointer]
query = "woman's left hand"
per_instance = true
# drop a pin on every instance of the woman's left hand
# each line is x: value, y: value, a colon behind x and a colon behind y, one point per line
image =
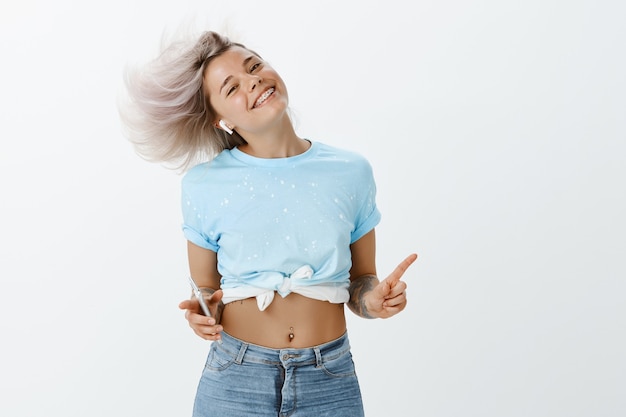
x: 388, y: 298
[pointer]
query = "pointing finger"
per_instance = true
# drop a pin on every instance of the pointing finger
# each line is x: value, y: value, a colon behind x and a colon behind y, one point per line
x: 397, y: 273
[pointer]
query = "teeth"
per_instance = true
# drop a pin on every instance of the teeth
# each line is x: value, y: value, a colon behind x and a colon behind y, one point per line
x: 264, y: 97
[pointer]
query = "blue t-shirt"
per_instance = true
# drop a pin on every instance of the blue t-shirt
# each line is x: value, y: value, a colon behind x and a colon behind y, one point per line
x: 266, y: 218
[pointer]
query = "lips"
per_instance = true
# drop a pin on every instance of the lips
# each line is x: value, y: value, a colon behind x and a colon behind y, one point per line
x: 266, y: 94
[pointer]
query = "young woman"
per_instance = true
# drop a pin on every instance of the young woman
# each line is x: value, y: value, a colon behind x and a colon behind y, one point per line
x: 280, y: 232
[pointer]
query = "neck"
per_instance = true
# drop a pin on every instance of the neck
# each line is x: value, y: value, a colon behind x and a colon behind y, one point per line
x: 278, y: 142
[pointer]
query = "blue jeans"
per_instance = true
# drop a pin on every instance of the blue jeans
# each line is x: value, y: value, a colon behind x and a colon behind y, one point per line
x: 242, y: 380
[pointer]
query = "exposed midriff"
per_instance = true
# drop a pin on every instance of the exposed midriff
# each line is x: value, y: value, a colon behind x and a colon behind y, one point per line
x: 291, y: 322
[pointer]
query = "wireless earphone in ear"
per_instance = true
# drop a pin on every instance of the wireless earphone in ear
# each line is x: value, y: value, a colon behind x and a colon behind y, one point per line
x: 225, y: 127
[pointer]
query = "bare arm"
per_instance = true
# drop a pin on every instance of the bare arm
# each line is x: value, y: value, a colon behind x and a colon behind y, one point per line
x: 362, y: 274
x: 370, y: 297
x: 203, y: 269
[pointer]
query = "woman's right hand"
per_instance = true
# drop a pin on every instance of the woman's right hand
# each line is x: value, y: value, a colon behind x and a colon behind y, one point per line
x: 205, y: 327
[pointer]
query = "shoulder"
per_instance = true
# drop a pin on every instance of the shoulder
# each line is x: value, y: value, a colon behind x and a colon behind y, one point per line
x: 333, y: 153
x: 208, y: 171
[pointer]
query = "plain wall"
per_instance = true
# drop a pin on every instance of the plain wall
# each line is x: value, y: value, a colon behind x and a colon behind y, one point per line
x: 496, y: 130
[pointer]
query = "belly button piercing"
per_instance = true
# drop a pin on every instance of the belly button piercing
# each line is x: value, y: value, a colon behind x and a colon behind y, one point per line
x: 291, y: 335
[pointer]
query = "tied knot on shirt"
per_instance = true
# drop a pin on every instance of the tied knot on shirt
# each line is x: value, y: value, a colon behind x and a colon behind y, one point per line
x: 304, y: 272
x: 285, y: 288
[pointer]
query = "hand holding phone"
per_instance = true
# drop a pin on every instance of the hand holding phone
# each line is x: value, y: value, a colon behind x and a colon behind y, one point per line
x: 198, y: 294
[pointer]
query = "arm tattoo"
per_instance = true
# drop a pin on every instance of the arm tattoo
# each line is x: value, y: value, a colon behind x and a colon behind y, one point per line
x: 358, y: 288
x: 220, y: 306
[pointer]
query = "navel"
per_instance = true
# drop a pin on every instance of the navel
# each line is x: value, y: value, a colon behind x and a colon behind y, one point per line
x: 291, y: 335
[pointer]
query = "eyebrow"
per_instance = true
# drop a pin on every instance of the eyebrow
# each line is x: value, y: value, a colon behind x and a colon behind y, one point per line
x: 243, y: 64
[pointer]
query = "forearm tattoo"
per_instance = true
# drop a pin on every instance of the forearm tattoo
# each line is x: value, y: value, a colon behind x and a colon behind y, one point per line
x: 358, y: 288
x: 220, y: 306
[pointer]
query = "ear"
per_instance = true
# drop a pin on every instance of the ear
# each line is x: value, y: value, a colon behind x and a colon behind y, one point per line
x: 225, y: 127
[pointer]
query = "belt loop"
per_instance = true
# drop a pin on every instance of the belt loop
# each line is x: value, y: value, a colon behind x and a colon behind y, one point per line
x: 318, y: 356
x: 242, y: 351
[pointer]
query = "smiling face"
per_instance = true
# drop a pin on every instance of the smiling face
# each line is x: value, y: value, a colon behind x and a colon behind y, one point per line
x: 245, y: 91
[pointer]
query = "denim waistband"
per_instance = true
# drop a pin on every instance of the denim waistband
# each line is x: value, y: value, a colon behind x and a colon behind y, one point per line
x: 244, y: 352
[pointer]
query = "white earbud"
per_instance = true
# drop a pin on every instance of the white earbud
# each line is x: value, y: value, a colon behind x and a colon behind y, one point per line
x: 225, y: 127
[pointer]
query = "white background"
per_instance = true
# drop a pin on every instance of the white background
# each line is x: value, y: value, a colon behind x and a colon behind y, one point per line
x: 496, y: 130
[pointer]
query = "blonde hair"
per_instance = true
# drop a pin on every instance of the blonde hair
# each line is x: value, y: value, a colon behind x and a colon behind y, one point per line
x: 166, y: 115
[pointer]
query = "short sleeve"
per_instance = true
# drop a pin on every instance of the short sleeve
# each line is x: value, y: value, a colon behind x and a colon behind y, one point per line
x: 193, y: 227
x: 368, y: 216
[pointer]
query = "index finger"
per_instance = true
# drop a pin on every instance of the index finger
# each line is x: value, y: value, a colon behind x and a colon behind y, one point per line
x: 397, y: 273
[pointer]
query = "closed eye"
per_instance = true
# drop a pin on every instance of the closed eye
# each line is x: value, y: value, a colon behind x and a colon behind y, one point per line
x: 231, y: 90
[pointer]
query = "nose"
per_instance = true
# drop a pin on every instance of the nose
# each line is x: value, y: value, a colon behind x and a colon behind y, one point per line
x: 255, y: 80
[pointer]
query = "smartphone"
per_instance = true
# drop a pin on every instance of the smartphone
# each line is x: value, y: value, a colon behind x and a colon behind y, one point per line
x: 198, y: 294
